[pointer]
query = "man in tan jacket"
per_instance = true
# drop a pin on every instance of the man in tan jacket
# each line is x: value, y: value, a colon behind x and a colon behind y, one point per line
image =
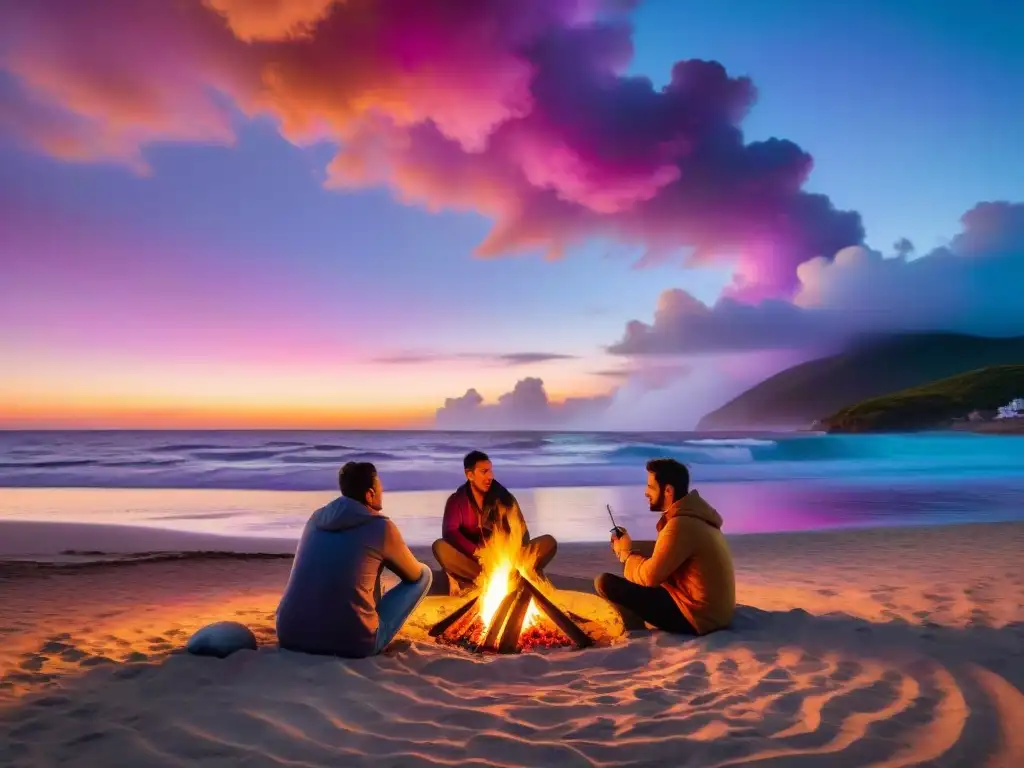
x: 687, y: 585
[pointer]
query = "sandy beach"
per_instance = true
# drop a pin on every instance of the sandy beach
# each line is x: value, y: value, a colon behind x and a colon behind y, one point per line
x: 869, y: 647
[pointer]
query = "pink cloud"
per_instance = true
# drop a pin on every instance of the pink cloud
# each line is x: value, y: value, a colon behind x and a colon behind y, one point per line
x: 518, y: 109
x: 103, y: 80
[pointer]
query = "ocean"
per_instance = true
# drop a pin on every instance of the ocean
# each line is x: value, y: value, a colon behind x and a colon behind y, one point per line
x: 256, y: 483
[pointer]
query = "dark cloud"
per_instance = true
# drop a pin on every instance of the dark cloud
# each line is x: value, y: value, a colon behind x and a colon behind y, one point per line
x: 525, y: 358
x: 973, y: 286
x: 903, y: 247
x: 684, y: 325
x: 614, y: 373
x: 508, y: 358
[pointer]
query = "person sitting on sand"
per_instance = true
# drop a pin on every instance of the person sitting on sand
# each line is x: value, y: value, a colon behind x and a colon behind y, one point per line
x: 687, y: 586
x: 470, y: 515
x: 332, y: 602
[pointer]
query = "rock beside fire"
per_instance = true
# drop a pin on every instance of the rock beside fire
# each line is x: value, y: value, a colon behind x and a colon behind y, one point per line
x: 221, y: 639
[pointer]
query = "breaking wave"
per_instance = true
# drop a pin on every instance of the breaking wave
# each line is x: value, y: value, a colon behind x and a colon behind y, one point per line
x: 433, y: 460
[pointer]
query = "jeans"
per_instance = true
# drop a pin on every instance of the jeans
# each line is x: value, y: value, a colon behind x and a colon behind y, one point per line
x: 397, y: 605
x: 639, y: 605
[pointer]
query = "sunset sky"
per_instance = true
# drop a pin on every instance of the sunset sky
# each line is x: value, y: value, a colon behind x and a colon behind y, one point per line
x: 320, y: 213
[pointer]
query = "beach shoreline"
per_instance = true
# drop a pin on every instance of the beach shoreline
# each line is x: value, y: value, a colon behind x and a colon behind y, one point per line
x: 850, y: 647
x: 43, y: 541
x: 569, y: 514
x: 34, y: 540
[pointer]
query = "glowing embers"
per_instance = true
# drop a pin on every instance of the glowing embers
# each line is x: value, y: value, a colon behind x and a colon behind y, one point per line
x: 509, y: 612
x: 523, y: 619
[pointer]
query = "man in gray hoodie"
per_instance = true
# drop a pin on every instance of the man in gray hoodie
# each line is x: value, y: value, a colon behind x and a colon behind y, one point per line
x: 332, y: 602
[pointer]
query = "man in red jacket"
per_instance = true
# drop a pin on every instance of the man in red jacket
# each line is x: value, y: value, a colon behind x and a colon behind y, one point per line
x: 470, y: 516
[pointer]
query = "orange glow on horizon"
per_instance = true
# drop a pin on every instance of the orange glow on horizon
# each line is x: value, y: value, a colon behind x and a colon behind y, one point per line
x: 188, y: 414
x: 199, y: 417
x: 114, y: 392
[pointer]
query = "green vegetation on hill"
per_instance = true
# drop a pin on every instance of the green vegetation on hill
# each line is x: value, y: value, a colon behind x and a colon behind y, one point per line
x: 932, y: 405
x: 798, y: 396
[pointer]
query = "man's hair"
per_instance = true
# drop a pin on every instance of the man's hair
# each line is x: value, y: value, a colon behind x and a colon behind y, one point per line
x: 670, y: 472
x: 472, y: 459
x: 356, y: 478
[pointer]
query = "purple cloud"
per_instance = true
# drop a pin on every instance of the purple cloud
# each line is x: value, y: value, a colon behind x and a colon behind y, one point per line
x: 972, y: 286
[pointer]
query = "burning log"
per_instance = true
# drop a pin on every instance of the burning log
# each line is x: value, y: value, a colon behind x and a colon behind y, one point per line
x: 508, y: 613
x: 503, y: 632
x: 490, y: 642
x: 563, y: 622
x: 439, y: 629
x: 509, y: 642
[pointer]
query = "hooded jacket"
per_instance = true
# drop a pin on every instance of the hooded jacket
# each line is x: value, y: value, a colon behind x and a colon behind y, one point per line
x: 330, y: 603
x: 466, y: 526
x: 691, y: 560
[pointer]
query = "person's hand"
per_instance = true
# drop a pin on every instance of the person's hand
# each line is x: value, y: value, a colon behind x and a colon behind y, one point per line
x: 622, y: 545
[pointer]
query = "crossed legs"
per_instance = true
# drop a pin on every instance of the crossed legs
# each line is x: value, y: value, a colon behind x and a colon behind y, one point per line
x: 463, y: 569
x: 643, y: 605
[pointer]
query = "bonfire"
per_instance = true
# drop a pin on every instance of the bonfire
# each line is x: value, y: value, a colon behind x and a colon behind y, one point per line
x: 511, y: 608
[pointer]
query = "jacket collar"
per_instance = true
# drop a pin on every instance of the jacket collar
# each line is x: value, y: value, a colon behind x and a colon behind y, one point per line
x: 691, y: 505
x: 497, y: 493
x: 669, y: 513
x: 468, y: 493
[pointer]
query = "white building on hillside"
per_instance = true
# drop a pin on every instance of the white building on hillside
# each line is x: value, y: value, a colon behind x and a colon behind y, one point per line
x: 1014, y: 410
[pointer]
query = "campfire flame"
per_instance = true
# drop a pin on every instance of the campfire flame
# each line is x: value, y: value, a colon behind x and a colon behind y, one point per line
x: 514, y: 608
x: 500, y: 559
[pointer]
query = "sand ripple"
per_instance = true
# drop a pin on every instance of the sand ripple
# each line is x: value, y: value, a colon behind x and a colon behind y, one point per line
x: 786, y: 689
x: 908, y: 649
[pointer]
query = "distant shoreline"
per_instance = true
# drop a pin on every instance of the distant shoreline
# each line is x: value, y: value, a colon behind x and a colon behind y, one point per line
x: 995, y: 427
x: 1001, y: 427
